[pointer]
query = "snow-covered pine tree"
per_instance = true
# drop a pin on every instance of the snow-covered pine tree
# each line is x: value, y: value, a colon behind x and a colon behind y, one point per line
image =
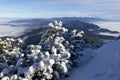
x: 49, y: 60
x: 75, y: 44
x: 10, y: 52
x: 76, y: 47
x: 52, y: 41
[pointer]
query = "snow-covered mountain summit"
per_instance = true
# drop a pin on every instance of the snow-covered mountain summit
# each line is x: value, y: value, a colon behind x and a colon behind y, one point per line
x: 104, y: 66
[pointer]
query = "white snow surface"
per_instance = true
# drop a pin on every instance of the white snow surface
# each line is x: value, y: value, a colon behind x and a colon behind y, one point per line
x: 105, y: 65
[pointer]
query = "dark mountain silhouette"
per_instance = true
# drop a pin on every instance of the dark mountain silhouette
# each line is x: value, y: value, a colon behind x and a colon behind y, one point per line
x: 82, y: 19
x: 37, y: 27
x: 91, y: 32
x: 44, y: 21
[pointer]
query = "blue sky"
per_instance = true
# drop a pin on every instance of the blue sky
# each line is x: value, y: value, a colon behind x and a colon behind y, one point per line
x: 59, y: 8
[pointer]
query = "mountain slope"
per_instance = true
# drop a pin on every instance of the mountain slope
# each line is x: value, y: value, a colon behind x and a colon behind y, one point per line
x: 104, y: 66
x: 63, y: 19
x: 34, y: 35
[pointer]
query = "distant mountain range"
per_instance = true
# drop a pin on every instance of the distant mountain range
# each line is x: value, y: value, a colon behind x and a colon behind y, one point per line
x: 82, y: 19
x: 39, y: 26
x: 91, y: 32
x: 44, y: 21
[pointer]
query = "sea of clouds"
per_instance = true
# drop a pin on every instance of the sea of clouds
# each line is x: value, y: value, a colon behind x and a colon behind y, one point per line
x: 7, y: 30
x: 113, y: 26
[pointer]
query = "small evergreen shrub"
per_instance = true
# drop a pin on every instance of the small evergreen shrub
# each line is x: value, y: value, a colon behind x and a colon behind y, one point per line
x: 51, y: 59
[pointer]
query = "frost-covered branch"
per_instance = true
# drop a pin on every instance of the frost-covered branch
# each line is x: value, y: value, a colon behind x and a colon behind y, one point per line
x: 52, y: 58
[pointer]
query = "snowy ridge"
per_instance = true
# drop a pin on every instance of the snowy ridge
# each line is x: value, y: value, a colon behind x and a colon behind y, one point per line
x: 104, y: 66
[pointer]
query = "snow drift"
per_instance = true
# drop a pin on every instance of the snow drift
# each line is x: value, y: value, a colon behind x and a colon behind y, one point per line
x: 104, y: 66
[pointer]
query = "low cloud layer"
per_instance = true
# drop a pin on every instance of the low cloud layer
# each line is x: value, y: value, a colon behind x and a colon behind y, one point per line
x: 6, y: 30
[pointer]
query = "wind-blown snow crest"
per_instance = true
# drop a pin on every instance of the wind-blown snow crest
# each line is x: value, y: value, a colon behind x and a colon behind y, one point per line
x: 104, y: 66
